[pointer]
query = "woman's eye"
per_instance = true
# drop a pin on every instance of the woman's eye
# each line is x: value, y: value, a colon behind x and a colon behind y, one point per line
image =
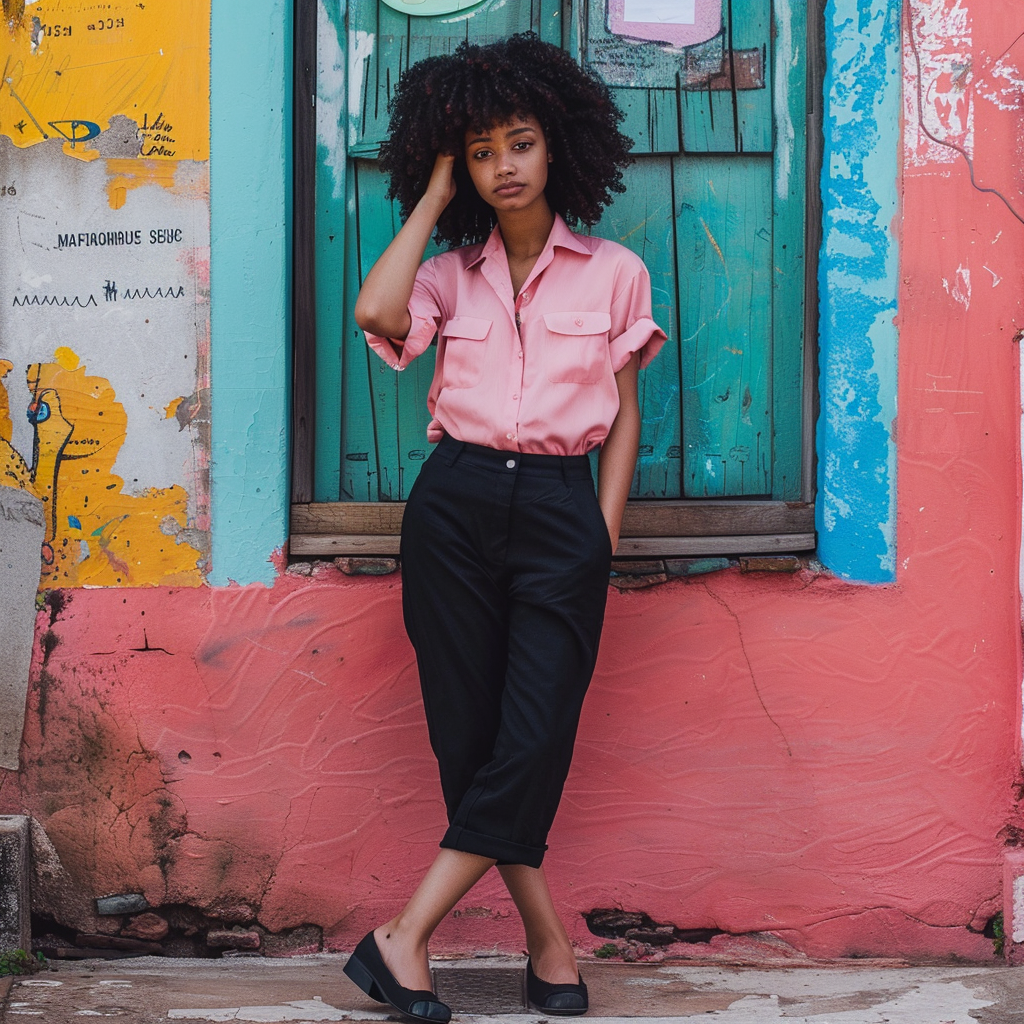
x: 480, y: 153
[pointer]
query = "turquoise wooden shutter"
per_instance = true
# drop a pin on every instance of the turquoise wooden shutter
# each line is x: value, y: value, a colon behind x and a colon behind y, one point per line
x: 714, y: 206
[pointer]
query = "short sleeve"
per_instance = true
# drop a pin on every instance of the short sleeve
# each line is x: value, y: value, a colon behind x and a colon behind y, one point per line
x: 425, y: 313
x: 633, y: 327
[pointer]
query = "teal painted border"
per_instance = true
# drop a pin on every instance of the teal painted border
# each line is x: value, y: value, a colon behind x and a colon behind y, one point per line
x: 859, y: 284
x: 250, y: 195
x: 331, y: 218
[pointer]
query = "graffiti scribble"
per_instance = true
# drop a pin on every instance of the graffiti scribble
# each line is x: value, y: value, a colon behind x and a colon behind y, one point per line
x: 53, y: 300
x: 159, y: 293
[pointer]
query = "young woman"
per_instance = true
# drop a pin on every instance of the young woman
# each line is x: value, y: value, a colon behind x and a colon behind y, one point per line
x: 506, y: 547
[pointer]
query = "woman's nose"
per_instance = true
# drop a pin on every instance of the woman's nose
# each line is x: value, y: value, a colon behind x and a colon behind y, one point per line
x: 506, y: 165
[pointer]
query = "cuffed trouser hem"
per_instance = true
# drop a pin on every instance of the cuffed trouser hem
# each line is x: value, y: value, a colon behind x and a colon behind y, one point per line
x: 503, y: 851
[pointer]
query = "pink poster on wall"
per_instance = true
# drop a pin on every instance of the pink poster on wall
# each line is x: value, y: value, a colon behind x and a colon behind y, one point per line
x: 679, y: 22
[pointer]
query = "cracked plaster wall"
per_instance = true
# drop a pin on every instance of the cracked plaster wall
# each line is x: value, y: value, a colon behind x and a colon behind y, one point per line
x: 830, y: 763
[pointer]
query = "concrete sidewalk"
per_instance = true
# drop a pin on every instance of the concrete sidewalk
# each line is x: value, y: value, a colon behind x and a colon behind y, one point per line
x: 313, y: 988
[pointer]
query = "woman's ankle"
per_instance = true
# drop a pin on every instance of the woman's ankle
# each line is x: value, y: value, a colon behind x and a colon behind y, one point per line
x: 404, y: 953
x: 554, y: 961
x: 401, y: 933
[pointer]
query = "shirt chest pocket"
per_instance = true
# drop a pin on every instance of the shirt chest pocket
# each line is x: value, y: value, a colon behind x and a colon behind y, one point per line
x: 576, y: 351
x: 465, y: 340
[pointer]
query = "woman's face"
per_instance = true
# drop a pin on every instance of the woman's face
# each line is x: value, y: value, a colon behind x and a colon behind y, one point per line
x: 508, y: 163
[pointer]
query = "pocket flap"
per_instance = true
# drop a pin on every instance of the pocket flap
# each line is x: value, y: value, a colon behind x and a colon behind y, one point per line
x: 472, y: 327
x: 578, y: 323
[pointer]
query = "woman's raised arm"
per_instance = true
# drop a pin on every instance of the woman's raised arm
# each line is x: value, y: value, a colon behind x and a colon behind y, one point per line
x: 382, y: 306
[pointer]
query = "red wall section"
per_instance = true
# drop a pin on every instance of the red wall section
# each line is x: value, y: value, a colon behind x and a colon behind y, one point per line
x: 829, y: 762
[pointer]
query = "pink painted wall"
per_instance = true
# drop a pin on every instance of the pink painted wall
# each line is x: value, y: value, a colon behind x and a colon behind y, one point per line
x: 828, y: 762
x: 836, y: 764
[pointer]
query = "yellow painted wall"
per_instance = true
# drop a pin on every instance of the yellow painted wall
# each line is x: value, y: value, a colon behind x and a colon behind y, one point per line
x: 71, y: 63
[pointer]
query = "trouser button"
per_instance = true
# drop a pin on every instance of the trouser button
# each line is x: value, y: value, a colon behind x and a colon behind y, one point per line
x: 511, y: 463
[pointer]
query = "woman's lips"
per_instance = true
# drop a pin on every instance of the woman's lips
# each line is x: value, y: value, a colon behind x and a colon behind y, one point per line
x: 510, y: 188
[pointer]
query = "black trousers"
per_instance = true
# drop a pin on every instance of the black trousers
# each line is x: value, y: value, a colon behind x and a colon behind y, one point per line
x: 505, y: 561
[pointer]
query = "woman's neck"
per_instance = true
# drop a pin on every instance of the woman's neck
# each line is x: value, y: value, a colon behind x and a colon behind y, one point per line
x: 525, y: 232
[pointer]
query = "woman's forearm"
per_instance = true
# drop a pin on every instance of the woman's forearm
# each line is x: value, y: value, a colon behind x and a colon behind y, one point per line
x: 382, y: 306
x: 617, y: 461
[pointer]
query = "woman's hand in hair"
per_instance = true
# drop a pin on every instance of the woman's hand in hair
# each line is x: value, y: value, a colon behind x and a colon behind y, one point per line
x: 382, y: 306
x: 441, y: 187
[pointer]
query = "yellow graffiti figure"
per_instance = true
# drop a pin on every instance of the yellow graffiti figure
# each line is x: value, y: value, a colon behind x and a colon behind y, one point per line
x: 95, y: 534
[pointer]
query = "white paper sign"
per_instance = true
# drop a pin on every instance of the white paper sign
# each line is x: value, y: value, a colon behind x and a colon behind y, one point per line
x: 661, y: 12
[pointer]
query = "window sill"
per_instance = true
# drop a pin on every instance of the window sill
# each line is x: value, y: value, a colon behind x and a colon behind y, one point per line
x: 650, y: 529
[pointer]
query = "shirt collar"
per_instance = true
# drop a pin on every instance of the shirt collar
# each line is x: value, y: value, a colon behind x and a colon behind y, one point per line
x: 560, y: 235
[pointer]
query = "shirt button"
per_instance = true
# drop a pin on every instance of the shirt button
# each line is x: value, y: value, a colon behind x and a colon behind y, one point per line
x: 510, y: 437
x: 511, y: 463
x: 526, y: 298
x: 578, y: 321
x: 515, y: 396
x: 519, y: 355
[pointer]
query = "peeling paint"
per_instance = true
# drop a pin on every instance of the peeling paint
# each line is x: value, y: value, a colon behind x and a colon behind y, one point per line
x: 129, y: 174
x: 858, y: 285
x: 359, y: 52
x: 786, y: 57
x: 120, y: 288
x: 330, y: 99
x: 942, y: 32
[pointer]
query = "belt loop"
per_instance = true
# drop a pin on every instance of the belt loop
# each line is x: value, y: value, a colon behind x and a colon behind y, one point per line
x: 563, y: 462
x: 450, y: 449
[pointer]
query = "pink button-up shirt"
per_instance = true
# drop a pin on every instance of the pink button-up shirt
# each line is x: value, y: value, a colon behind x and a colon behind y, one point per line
x: 534, y: 373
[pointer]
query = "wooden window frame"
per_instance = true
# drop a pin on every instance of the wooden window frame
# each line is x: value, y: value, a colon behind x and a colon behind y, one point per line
x: 652, y: 528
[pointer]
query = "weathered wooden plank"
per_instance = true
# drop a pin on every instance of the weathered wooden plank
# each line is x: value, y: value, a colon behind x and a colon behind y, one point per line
x: 378, y: 223
x: 377, y: 46
x: 358, y: 447
x: 330, y: 250
x: 789, y: 260
x: 342, y: 544
x: 734, y: 120
x: 333, y: 545
x: 642, y: 519
x: 399, y: 399
x: 641, y: 219
x: 549, y: 20
x: 651, y: 119
x: 674, y: 547
x: 725, y: 289
x: 814, y: 98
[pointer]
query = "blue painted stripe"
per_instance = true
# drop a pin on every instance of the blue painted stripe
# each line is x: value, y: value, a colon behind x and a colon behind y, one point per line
x: 856, y: 508
x: 250, y: 160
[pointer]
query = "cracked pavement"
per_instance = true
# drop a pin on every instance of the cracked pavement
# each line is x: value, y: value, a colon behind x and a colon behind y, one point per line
x: 312, y: 988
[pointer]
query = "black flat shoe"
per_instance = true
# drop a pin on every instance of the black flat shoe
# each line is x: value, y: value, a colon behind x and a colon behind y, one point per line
x: 558, y: 1000
x: 367, y: 969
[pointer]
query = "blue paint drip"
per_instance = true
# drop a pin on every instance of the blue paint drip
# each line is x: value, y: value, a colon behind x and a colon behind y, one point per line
x: 250, y: 189
x: 859, y: 285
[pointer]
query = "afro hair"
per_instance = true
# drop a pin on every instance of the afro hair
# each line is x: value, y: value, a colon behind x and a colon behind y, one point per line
x: 440, y: 98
